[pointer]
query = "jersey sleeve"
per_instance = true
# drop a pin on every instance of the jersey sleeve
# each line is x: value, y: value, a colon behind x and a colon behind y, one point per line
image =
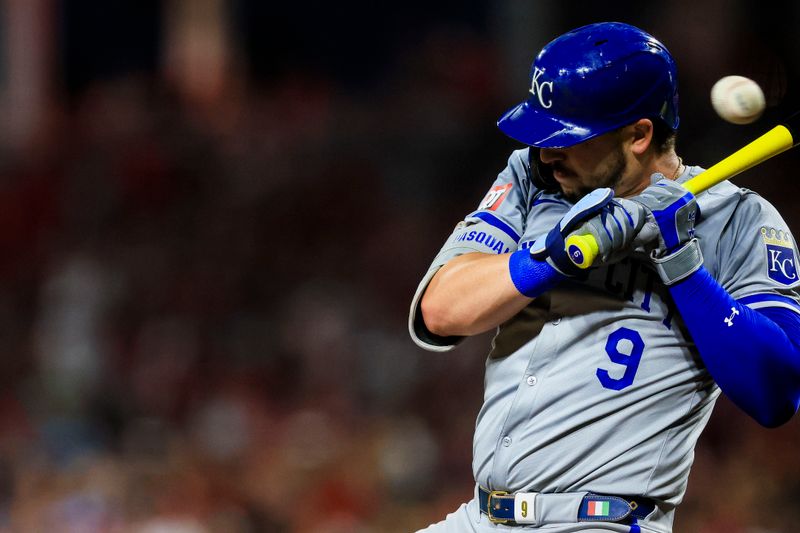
x: 758, y: 257
x: 495, y: 227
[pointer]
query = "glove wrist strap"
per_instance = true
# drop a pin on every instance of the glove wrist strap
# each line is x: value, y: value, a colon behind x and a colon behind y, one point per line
x: 679, y: 264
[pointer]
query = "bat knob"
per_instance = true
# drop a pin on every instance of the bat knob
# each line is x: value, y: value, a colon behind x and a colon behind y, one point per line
x: 582, y: 250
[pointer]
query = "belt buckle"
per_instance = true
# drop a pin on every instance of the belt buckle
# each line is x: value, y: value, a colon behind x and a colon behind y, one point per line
x: 492, y: 519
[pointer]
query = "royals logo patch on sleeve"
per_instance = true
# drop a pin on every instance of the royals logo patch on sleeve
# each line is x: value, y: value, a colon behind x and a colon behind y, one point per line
x: 781, y: 259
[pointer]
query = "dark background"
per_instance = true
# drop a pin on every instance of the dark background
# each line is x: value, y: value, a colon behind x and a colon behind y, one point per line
x: 213, y: 216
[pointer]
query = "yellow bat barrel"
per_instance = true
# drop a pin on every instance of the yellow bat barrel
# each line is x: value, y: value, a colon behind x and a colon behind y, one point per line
x: 582, y: 249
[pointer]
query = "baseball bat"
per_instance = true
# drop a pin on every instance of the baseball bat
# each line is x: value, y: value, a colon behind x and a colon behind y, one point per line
x: 582, y: 249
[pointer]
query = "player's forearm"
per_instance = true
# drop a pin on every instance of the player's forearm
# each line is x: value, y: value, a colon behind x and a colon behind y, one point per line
x: 749, y: 355
x: 471, y: 294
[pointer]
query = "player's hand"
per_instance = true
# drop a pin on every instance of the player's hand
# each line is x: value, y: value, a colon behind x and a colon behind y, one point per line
x: 671, y: 211
x: 614, y: 229
x: 671, y: 214
x: 613, y: 223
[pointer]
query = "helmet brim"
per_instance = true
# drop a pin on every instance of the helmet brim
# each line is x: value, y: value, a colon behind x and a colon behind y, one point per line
x: 529, y: 125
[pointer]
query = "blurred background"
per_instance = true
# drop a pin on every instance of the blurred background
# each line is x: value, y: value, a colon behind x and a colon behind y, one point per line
x: 213, y: 216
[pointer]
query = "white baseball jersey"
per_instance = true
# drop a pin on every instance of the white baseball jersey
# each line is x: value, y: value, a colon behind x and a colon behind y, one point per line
x: 596, y: 385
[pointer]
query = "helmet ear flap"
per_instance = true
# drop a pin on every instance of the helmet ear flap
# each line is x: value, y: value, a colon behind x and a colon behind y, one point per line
x: 541, y: 174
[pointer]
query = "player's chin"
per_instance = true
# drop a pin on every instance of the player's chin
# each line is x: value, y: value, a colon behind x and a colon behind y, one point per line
x: 572, y: 191
x: 574, y: 188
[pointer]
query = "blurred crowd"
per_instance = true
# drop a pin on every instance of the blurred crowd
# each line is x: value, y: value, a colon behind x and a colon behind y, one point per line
x: 203, y: 306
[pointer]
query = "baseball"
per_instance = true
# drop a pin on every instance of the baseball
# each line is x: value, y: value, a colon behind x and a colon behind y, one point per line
x: 737, y: 99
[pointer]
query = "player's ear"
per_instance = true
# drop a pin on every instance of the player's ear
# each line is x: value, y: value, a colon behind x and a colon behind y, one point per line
x: 641, y: 135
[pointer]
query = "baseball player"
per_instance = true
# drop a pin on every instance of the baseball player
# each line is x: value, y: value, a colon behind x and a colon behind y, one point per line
x: 599, y: 382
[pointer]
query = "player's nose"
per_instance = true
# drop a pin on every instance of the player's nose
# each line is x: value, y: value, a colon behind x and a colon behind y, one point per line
x: 551, y: 155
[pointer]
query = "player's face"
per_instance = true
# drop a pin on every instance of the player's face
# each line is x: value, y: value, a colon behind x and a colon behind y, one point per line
x: 584, y: 167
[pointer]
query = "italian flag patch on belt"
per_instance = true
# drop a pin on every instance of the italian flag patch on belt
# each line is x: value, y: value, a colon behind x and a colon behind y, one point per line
x: 597, y: 508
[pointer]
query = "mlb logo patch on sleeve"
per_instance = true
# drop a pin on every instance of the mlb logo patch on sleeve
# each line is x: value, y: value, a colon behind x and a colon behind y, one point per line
x: 495, y: 197
x: 781, y: 260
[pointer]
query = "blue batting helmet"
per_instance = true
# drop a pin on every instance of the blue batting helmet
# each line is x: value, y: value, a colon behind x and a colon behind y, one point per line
x: 592, y: 80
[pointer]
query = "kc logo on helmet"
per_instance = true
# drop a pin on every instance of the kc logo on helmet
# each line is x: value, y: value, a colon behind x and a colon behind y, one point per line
x: 538, y: 88
x: 781, y: 262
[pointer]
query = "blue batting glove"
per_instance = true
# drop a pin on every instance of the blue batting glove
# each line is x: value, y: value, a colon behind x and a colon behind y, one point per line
x: 551, y: 247
x: 673, y: 209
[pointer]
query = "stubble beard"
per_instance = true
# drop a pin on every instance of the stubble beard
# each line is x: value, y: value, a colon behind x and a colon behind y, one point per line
x: 608, y: 177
